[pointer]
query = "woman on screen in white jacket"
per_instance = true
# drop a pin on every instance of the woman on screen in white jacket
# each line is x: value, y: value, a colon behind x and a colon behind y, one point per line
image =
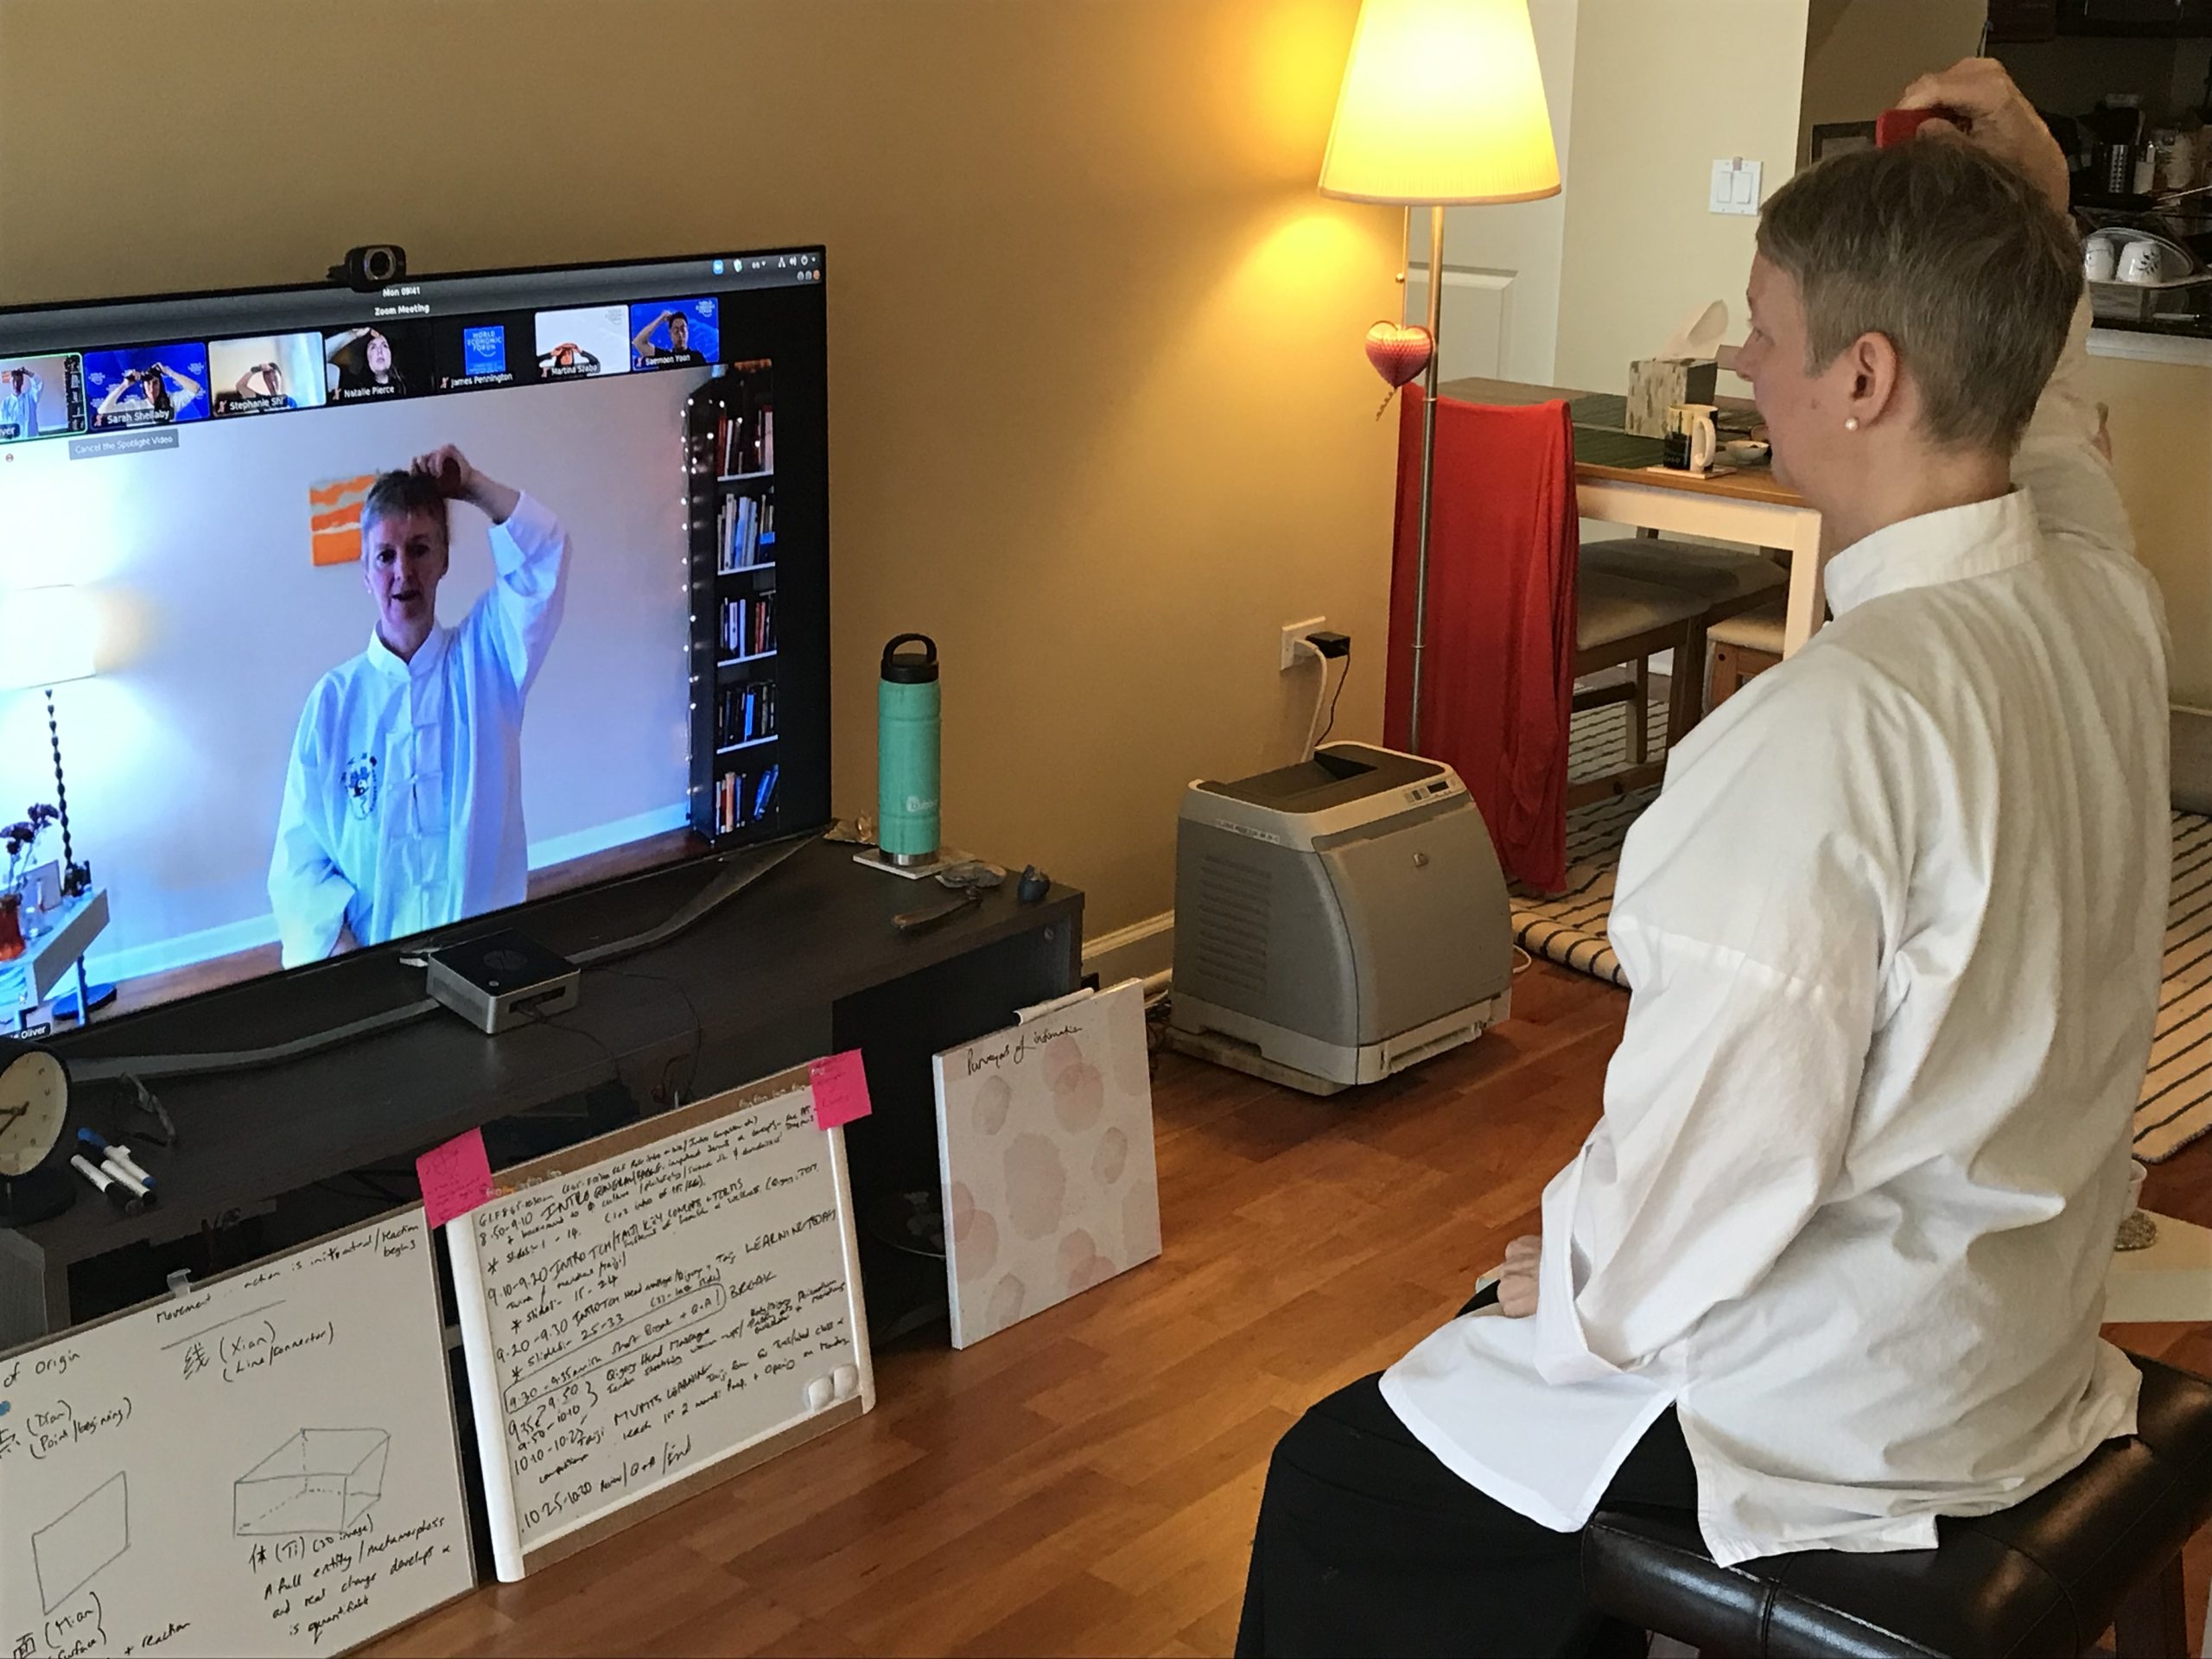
x: 403, y: 803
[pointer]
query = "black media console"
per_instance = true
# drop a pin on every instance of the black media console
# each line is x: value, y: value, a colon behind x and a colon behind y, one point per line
x: 803, y: 963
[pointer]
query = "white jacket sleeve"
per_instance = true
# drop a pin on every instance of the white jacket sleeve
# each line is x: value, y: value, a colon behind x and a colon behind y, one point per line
x: 531, y: 553
x: 1759, y: 900
x: 305, y: 888
x: 2059, y: 466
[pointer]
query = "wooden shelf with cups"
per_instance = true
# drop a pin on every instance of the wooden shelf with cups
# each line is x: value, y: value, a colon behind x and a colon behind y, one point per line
x: 2139, y: 277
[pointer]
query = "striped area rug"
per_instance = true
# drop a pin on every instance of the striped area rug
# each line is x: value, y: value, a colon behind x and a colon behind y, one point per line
x: 1569, y: 928
x: 2177, y: 1093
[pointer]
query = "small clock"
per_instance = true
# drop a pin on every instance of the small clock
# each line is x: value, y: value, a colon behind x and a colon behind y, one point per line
x: 33, y: 1110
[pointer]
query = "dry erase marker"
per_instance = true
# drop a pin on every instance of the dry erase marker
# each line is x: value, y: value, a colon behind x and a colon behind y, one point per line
x: 109, y: 1168
x: 116, y: 1195
x: 119, y: 1156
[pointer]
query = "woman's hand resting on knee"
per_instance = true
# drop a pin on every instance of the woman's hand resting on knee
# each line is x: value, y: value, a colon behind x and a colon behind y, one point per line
x: 1516, y: 1283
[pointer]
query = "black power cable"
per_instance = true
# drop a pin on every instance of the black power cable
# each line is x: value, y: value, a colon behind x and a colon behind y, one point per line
x: 698, y: 1031
x: 1333, y: 701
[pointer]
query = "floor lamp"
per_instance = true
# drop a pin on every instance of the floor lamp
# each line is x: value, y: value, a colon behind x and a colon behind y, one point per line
x: 1442, y: 105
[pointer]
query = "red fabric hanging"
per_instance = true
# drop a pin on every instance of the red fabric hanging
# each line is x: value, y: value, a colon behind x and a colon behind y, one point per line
x: 1498, y: 675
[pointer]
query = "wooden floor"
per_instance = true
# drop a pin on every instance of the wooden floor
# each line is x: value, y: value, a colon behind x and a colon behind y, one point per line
x: 1086, y: 1482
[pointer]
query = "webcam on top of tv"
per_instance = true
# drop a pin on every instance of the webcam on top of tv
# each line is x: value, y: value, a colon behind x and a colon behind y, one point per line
x: 369, y: 268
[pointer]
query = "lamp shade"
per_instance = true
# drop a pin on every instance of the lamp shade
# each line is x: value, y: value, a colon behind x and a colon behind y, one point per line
x: 46, y: 637
x: 1443, y: 102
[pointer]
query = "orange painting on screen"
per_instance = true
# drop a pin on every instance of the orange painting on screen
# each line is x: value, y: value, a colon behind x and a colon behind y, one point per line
x: 335, y: 519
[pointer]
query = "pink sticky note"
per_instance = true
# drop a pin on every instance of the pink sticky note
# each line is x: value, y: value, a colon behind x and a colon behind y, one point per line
x: 456, y: 1178
x: 840, y: 1089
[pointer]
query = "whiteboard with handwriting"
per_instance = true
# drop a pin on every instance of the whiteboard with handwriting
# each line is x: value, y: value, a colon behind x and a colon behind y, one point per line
x: 656, y: 1310
x: 265, y: 1465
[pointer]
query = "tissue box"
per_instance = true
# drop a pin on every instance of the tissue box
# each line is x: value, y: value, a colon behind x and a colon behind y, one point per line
x: 1657, y: 384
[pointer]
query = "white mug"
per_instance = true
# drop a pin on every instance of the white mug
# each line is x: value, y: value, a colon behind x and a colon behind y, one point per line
x: 2142, y: 263
x: 2100, y: 259
x: 1693, y: 438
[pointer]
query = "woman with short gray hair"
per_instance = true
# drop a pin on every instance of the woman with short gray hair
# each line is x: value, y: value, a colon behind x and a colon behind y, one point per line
x: 1832, y: 1263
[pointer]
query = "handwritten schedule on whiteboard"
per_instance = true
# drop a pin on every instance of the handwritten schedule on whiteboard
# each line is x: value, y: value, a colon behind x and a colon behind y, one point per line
x: 263, y: 1465
x: 652, y: 1307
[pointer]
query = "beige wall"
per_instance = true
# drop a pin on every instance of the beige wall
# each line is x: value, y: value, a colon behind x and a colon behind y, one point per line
x: 1860, y: 54
x: 2162, y: 451
x: 1661, y: 91
x: 1100, y: 420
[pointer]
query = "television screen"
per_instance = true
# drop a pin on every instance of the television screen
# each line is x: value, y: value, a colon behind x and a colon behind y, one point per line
x: 403, y: 606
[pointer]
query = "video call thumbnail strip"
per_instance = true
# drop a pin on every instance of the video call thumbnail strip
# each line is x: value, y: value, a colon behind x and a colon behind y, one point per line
x: 177, y: 382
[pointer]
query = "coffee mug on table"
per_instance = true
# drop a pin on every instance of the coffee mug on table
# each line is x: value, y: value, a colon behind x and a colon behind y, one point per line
x: 1693, y: 438
x: 2100, y: 259
x: 2142, y: 263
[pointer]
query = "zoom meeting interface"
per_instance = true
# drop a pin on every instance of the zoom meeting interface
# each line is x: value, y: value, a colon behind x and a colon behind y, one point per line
x: 393, y: 598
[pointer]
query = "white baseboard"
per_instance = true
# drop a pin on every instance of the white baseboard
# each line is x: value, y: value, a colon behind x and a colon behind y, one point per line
x: 1143, y: 950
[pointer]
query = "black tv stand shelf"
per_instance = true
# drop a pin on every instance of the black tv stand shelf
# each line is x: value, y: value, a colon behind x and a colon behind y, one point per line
x: 803, y: 963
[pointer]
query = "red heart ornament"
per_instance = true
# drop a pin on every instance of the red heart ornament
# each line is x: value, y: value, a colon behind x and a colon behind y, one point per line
x: 1399, y: 350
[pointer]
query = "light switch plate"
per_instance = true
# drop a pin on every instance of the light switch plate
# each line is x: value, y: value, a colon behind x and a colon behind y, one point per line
x: 1736, y: 187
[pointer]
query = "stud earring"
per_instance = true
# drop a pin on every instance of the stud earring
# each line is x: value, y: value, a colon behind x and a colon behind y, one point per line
x: 1851, y: 423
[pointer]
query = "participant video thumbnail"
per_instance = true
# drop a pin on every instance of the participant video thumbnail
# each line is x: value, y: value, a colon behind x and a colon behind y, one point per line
x: 590, y: 339
x: 147, y: 385
x: 495, y: 349
x: 266, y: 371
x: 674, y: 334
x: 385, y: 359
x: 41, y: 396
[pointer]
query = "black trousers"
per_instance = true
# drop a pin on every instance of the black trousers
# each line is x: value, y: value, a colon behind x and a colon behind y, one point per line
x: 1368, y: 1545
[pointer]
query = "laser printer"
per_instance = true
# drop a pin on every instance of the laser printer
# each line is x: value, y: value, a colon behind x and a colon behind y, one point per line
x: 1336, y: 921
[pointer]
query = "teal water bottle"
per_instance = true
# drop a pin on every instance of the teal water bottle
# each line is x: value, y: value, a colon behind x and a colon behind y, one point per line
x: 907, y: 732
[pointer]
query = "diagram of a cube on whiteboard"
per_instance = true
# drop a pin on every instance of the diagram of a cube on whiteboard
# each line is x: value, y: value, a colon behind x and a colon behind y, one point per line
x: 320, y: 1480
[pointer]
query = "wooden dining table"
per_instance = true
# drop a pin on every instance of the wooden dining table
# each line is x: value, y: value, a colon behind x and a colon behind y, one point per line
x: 1618, y: 480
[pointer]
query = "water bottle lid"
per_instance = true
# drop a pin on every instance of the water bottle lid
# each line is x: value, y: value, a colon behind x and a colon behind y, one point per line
x: 903, y: 665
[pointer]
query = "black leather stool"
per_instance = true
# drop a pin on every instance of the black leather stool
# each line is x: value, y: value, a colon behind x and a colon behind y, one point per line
x: 2100, y: 1548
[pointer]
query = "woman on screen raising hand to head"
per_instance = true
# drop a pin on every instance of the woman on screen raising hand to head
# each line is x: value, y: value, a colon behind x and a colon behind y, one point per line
x: 1830, y: 1265
x: 271, y: 376
x: 402, y: 802
x: 360, y: 361
x: 569, y: 355
x: 149, y: 389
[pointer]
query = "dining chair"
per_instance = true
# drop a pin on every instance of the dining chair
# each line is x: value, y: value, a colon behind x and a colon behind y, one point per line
x: 1623, y: 622
x: 1744, y: 646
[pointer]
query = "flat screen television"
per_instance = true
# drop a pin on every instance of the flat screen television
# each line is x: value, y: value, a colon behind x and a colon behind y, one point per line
x: 402, y: 607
